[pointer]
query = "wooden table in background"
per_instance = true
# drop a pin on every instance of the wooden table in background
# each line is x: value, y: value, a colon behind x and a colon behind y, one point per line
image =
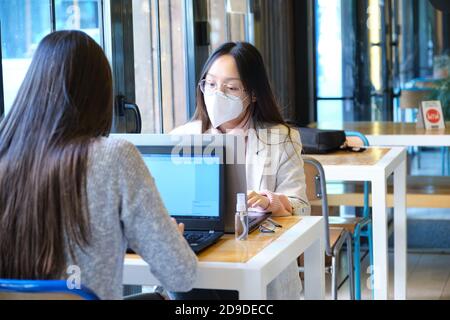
x: 395, y: 133
x: 249, y: 266
x: 376, y: 165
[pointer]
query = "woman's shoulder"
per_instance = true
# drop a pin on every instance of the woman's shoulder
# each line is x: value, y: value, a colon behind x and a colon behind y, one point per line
x: 109, y: 144
x: 113, y: 149
x: 192, y: 127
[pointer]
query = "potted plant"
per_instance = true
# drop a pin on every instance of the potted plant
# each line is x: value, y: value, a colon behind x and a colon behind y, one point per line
x: 441, y: 67
x: 441, y: 92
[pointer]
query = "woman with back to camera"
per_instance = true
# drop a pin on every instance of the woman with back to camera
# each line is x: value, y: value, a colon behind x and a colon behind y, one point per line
x: 234, y: 96
x: 68, y: 194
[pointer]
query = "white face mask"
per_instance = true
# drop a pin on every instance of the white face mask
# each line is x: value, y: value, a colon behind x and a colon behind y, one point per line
x: 222, y: 108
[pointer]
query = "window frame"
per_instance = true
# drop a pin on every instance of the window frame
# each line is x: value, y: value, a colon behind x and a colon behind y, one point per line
x: 121, y: 48
x: 53, y: 15
x: 191, y: 76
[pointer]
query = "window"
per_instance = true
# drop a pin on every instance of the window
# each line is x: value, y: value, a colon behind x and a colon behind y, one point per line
x: 80, y: 15
x: 150, y: 31
x: 209, y: 23
x: 25, y: 22
x: 160, y: 64
x: 355, y: 61
x: 377, y: 49
x: 229, y: 20
x: 329, y: 61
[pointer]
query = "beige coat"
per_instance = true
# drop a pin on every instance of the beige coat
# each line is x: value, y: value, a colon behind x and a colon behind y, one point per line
x: 273, y: 164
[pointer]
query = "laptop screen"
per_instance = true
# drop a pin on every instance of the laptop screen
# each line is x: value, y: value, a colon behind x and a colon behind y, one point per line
x: 189, y: 185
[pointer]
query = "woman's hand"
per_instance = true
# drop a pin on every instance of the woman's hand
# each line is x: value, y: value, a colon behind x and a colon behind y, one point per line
x: 276, y: 203
x: 180, y: 226
x: 257, y: 200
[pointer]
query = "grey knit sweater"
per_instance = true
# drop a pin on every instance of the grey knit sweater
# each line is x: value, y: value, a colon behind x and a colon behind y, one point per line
x: 126, y: 210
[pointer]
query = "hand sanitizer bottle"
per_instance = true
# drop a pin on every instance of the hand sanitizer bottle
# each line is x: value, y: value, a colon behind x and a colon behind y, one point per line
x: 241, y: 218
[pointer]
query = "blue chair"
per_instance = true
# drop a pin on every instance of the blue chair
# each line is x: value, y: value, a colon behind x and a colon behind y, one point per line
x: 42, y: 290
x: 363, y: 228
x: 335, y: 237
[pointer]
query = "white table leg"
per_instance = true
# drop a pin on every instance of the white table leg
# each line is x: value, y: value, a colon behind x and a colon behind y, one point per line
x: 400, y: 232
x: 380, y: 238
x: 315, y: 270
x: 253, y: 287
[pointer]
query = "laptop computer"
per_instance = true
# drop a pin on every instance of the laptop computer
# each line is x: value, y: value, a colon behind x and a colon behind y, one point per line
x: 191, y: 184
x: 235, y: 180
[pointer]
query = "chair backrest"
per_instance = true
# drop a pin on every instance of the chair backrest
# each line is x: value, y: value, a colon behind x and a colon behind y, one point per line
x: 356, y: 139
x: 411, y: 98
x: 316, y: 190
x: 42, y: 290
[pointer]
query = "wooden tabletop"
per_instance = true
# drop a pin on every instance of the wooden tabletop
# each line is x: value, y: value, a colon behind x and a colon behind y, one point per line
x: 369, y: 157
x: 227, y: 249
x: 384, y: 128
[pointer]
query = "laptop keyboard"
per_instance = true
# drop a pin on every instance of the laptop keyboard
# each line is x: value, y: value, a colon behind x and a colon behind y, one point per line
x: 193, y: 237
x: 198, y: 240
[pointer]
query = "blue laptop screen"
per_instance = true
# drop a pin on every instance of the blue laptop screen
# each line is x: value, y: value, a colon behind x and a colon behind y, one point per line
x: 189, y: 186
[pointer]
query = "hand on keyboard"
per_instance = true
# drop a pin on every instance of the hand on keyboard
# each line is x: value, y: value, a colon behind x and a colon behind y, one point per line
x: 180, y: 225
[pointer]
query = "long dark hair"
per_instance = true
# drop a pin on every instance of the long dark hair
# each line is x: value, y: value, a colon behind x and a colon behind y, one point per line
x: 64, y: 103
x: 264, y: 110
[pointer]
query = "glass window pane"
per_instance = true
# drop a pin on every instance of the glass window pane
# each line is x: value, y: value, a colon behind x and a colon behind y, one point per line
x: 145, y: 62
x: 217, y: 20
x: 173, y: 64
x: 229, y: 20
x: 24, y: 23
x: 329, y: 48
x: 375, y: 38
x: 237, y: 11
x: 79, y: 15
x: 329, y: 113
x: 160, y: 76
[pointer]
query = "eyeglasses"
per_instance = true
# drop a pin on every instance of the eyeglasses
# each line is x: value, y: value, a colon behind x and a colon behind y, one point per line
x: 269, y: 226
x: 229, y: 89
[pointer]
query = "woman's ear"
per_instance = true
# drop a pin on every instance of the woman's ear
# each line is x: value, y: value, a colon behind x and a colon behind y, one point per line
x: 253, y: 98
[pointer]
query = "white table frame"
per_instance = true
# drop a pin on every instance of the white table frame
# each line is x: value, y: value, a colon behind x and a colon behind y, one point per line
x: 394, y: 162
x: 250, y: 279
x: 411, y: 140
x: 431, y: 138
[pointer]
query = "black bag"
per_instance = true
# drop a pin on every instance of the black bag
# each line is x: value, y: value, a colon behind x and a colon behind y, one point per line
x: 316, y: 141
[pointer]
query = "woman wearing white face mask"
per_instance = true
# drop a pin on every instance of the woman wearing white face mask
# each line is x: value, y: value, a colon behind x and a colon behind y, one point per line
x: 234, y: 96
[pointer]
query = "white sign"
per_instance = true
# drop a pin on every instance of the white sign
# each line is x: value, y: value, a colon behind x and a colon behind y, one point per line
x: 430, y: 115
